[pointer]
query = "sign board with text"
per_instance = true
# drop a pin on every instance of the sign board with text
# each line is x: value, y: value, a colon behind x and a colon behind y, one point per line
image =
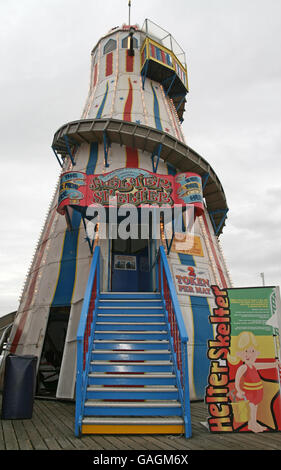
x: 133, y: 186
x: 243, y: 392
x: 190, y: 280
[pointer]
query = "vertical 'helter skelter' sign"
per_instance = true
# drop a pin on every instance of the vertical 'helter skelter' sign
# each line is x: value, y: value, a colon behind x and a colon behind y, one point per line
x: 243, y: 392
x: 217, y: 390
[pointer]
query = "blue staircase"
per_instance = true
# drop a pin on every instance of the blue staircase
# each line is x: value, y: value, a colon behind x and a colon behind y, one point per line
x: 130, y: 382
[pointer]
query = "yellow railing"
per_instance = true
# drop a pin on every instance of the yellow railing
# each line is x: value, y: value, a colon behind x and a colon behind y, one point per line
x: 152, y: 50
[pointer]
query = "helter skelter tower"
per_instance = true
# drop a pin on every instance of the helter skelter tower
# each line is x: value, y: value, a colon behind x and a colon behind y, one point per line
x: 130, y: 128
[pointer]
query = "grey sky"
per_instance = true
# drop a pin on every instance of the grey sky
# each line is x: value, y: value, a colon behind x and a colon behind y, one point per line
x: 232, y: 115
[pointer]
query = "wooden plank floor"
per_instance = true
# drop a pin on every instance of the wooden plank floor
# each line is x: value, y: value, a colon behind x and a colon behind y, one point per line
x: 52, y: 428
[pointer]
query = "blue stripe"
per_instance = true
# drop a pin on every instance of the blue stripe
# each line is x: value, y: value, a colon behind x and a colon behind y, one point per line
x: 93, y: 158
x: 168, y: 58
x: 156, y: 111
x: 158, y: 54
x: 186, y: 259
x: 171, y: 169
x: 66, y: 279
x: 202, y: 333
x: 100, y: 110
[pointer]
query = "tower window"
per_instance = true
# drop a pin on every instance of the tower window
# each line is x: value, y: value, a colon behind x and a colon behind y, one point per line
x: 125, y: 42
x: 110, y: 46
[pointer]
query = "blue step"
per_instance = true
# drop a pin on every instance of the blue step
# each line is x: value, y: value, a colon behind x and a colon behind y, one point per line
x: 130, y: 303
x: 137, y: 326
x: 99, y: 378
x: 119, y: 366
x: 132, y: 393
x: 122, y: 317
x: 131, y: 371
x: 130, y: 295
x: 131, y: 345
x: 131, y: 310
x: 157, y: 408
x: 129, y: 335
x: 131, y: 355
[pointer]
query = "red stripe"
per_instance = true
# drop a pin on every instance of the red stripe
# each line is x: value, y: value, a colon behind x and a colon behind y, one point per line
x: 224, y: 283
x: 109, y: 64
x: 95, y: 74
x: 129, y: 62
x: 132, y: 158
x: 163, y: 57
x: 32, y: 287
x: 153, y: 52
x: 127, y: 114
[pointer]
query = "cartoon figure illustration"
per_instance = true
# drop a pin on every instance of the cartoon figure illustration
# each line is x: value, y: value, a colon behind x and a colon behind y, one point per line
x: 248, y: 383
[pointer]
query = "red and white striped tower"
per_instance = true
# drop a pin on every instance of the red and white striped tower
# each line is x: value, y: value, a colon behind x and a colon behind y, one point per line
x: 131, y: 120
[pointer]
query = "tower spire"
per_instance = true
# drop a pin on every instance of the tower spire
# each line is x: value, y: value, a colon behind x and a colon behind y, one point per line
x: 129, y: 5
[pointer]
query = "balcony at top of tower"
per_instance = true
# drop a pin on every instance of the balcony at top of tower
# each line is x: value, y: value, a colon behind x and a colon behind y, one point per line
x: 150, y: 52
x: 163, y: 60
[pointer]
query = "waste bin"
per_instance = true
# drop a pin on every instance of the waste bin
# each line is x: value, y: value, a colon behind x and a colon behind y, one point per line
x: 19, y: 387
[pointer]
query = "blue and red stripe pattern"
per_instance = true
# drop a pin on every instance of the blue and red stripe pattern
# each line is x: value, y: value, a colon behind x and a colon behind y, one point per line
x: 160, y: 55
x: 219, y: 268
x: 180, y: 72
x: 67, y: 272
x: 202, y: 332
x: 32, y: 285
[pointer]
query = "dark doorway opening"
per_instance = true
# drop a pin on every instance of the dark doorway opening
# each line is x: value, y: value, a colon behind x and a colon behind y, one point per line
x: 52, y: 352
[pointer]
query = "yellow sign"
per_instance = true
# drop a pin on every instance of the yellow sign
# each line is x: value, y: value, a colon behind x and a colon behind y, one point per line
x: 187, y: 244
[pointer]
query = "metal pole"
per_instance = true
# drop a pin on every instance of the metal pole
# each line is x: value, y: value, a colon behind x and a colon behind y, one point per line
x: 262, y: 277
x: 129, y: 5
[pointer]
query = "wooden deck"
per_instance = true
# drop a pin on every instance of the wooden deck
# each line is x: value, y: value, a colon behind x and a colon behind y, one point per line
x: 52, y: 428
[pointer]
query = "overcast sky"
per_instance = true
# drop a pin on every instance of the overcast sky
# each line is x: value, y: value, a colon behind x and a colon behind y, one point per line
x: 232, y: 116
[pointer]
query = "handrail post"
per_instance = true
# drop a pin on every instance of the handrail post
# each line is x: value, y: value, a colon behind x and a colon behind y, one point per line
x: 186, y: 398
x: 161, y: 276
x: 79, y: 382
x: 98, y: 276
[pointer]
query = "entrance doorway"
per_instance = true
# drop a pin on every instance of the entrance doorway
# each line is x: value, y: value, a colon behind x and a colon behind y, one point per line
x: 51, y: 357
x: 131, y: 265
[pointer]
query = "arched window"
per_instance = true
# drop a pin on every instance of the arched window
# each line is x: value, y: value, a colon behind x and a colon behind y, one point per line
x: 125, y: 42
x: 110, y: 46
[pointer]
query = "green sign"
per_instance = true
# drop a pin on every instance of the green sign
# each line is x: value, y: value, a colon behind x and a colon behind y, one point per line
x: 243, y: 391
x: 250, y: 310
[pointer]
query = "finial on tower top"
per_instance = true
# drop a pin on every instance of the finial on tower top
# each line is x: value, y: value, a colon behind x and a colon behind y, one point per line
x: 129, y: 5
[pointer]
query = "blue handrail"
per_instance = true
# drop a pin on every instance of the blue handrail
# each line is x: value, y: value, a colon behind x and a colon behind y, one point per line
x: 179, y: 337
x: 85, y: 332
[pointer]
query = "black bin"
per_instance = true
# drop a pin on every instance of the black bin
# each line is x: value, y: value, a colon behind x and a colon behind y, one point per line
x: 19, y: 387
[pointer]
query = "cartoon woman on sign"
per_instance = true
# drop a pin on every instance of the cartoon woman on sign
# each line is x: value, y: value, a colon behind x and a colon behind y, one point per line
x: 248, y: 382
